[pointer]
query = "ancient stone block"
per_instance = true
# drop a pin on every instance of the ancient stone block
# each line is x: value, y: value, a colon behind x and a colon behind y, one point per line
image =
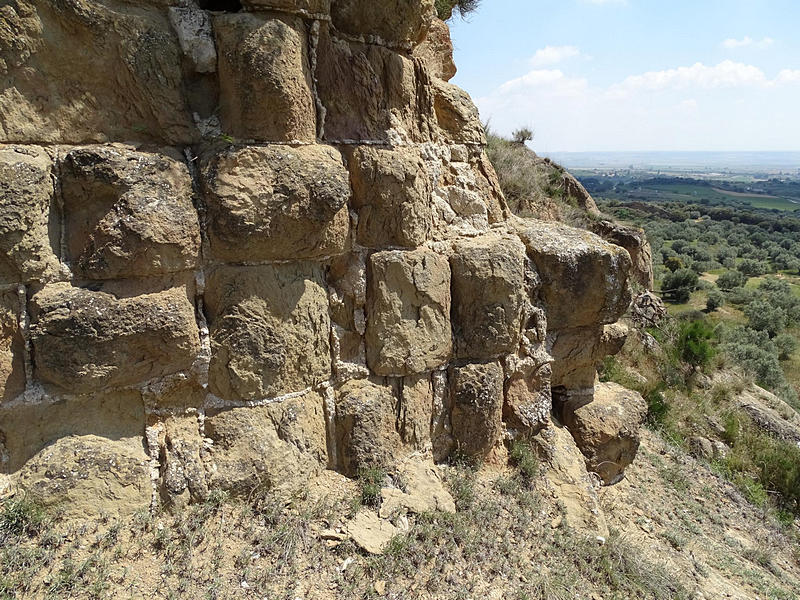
x: 436, y: 51
x: 607, y: 429
x: 276, y: 203
x: 477, y: 399
x: 395, y: 21
x: 256, y: 449
x: 528, y: 398
x: 270, y: 330
x: 366, y: 432
x: 89, y: 476
x: 85, y: 341
x: 577, y: 352
x: 128, y: 213
x: 264, y: 78
x: 90, y: 71
x: 635, y: 242
x: 12, y: 346
x: 488, y: 296
x: 408, y: 312
x: 392, y: 194
x: 28, y: 428
x: 372, y: 93
x: 416, y: 410
x: 584, y: 278
x: 456, y: 114
x: 182, y: 476
x: 26, y: 193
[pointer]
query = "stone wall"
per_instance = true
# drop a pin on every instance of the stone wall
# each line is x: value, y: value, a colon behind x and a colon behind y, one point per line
x: 243, y: 247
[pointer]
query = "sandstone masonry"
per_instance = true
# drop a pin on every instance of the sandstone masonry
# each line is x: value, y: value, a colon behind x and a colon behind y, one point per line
x: 240, y: 248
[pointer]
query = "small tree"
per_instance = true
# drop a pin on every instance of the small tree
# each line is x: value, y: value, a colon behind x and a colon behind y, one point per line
x: 522, y: 135
x: 678, y: 286
x: 786, y: 344
x: 673, y: 263
x: 694, y: 343
x: 715, y: 300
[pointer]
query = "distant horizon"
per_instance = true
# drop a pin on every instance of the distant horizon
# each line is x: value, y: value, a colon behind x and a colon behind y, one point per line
x: 628, y: 74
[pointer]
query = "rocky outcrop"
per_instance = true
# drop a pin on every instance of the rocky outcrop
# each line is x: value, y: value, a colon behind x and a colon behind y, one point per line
x: 607, y: 429
x: 243, y: 247
x: 635, y: 242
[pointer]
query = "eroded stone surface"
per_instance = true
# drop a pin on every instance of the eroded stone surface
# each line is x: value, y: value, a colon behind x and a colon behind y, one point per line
x: 270, y: 330
x: 86, y: 341
x: 88, y: 477
x: 366, y: 434
x: 607, y: 429
x: 393, y: 21
x: 488, y: 296
x: 12, y: 347
x: 477, y: 397
x: 27, y: 252
x: 584, y: 278
x: 408, y: 312
x: 257, y: 449
x: 263, y: 62
x: 276, y: 203
x: 372, y: 93
x: 128, y: 213
x: 392, y: 195
x: 90, y: 71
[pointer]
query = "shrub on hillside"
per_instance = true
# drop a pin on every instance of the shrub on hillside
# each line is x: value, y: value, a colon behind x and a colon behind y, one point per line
x: 731, y: 279
x: 715, y: 299
x: 752, y: 267
x: 766, y: 316
x: 678, y: 286
x: 694, y: 343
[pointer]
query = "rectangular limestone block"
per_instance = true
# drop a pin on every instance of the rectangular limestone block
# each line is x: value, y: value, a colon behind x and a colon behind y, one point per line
x: 477, y: 398
x: 391, y: 21
x: 257, y: 449
x: 456, y: 114
x: 584, y: 278
x: 264, y: 77
x: 488, y: 295
x: 84, y: 341
x: 90, y: 71
x: 26, y: 429
x: 12, y: 347
x: 365, y: 427
x: 392, y: 196
x: 270, y: 330
x: 408, y: 312
x: 26, y: 197
x: 372, y: 93
x: 128, y: 213
x: 276, y: 203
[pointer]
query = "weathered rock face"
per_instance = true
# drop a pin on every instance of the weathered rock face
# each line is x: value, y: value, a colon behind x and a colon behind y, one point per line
x: 635, y: 242
x: 607, y: 429
x: 243, y: 247
x: 276, y: 203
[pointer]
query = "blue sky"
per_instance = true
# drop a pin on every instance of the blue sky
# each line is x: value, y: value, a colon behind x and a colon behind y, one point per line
x: 593, y: 75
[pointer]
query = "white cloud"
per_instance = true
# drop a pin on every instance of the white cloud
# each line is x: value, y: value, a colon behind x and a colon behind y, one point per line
x: 733, y: 43
x: 551, y: 55
x: 553, y: 80
x: 725, y: 74
x: 788, y: 76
